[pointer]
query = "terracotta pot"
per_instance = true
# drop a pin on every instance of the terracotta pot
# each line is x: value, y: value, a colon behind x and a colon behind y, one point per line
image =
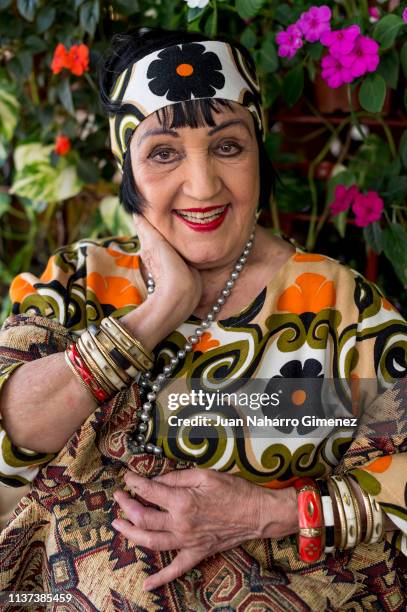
x: 330, y: 100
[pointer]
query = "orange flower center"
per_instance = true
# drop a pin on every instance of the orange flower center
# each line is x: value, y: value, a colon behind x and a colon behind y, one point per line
x: 184, y: 70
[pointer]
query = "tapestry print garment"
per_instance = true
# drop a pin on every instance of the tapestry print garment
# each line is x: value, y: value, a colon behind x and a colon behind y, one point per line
x: 316, y: 318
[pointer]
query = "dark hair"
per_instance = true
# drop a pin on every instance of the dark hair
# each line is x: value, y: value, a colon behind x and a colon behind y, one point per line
x: 133, y: 45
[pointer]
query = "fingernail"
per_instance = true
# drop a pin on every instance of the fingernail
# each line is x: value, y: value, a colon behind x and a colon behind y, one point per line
x: 115, y: 524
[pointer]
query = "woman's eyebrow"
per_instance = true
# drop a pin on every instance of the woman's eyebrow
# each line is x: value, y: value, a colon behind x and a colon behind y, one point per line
x: 217, y: 128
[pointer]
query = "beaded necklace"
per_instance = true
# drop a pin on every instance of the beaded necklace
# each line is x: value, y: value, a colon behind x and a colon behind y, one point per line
x: 137, y: 443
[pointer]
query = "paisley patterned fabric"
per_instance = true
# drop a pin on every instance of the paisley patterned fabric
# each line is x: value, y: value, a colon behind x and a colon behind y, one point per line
x: 189, y: 71
x: 316, y: 318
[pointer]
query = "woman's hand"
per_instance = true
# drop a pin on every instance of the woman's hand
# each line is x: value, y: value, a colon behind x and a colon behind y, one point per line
x: 178, y: 288
x: 205, y: 512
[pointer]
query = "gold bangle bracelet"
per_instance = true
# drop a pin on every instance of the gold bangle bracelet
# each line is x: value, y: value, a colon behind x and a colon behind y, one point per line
x: 342, y: 517
x: 126, y: 346
x: 369, y: 517
x: 109, y: 346
x: 146, y: 357
x: 108, y: 336
x: 95, y: 369
x: 124, y: 331
x: 119, y: 371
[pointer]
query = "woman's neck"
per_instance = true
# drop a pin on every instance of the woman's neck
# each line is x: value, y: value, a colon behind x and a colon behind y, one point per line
x: 266, y: 249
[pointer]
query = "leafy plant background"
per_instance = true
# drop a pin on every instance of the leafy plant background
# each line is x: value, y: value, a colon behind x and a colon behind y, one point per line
x: 47, y: 200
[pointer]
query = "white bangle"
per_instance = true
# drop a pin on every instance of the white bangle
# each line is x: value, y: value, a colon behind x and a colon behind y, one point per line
x: 352, y: 527
x: 378, y: 521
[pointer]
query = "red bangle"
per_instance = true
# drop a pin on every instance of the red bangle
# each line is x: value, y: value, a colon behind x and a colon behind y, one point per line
x: 86, y: 375
x: 310, y: 520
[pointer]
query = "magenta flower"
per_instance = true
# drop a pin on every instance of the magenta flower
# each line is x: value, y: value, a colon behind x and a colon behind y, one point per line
x: 367, y: 208
x: 374, y: 14
x: 340, y: 42
x: 315, y: 22
x: 334, y: 72
x: 289, y: 41
x: 343, y: 198
x: 405, y: 14
x: 363, y: 58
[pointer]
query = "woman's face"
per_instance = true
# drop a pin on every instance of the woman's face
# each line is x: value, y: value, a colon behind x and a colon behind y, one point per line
x: 186, y: 174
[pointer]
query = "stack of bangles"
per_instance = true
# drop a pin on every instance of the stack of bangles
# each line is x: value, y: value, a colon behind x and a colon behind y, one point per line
x: 107, y: 359
x: 330, y: 516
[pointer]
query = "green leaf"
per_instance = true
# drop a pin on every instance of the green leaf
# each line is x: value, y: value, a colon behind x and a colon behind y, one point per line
x: 403, y: 58
x: 35, y: 44
x: 396, y: 189
x: 194, y: 13
x: 372, y: 93
x: 27, y: 8
x: 248, y: 37
x: 403, y: 148
x: 267, y: 57
x: 125, y: 7
x: 10, y: 27
x: 88, y: 171
x: 389, y: 68
x: 314, y: 50
x: 293, y: 84
x: 20, y: 66
x: 45, y: 18
x: 9, y: 110
x: 284, y: 13
x: 89, y: 16
x: 210, y: 25
x: 115, y: 218
x: 39, y: 181
x: 395, y: 249
x: 65, y: 95
x: 5, y: 203
x: 373, y: 235
x: 386, y: 30
x: 247, y: 9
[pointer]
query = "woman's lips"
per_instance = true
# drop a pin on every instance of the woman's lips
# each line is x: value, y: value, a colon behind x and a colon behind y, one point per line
x: 202, y: 225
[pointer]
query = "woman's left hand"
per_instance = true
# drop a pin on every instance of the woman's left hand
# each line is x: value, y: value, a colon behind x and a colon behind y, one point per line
x: 204, y: 512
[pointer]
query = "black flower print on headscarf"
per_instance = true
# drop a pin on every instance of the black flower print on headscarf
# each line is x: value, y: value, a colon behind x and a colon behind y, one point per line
x: 304, y: 395
x: 184, y: 71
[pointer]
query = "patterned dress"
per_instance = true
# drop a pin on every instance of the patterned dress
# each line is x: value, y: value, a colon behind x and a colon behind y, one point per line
x: 315, y: 319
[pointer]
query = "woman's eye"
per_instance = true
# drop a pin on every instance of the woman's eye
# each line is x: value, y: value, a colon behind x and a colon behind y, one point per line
x: 163, y: 155
x: 229, y: 148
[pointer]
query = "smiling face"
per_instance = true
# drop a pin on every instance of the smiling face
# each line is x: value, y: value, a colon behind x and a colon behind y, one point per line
x: 201, y: 185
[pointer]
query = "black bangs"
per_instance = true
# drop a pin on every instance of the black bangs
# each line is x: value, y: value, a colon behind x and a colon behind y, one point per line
x: 191, y: 113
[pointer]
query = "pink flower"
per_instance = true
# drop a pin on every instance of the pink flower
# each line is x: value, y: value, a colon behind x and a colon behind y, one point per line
x: 343, y: 198
x: 340, y: 42
x: 314, y: 22
x: 374, y: 14
x: 289, y: 41
x: 334, y: 72
x: 367, y: 208
x: 363, y: 58
x: 405, y: 14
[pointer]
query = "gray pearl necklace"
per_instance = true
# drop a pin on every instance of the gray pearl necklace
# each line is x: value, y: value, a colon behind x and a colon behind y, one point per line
x: 138, y: 444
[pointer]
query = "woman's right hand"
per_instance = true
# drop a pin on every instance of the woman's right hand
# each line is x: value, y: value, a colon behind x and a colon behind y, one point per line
x: 178, y: 286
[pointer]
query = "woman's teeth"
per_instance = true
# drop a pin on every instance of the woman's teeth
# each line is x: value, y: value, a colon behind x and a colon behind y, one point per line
x: 201, y: 217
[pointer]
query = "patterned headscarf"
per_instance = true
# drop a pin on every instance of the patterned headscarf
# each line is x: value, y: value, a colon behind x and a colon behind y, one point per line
x: 208, y: 69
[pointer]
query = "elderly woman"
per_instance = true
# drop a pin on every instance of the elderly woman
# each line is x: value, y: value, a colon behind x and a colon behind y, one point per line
x: 129, y: 504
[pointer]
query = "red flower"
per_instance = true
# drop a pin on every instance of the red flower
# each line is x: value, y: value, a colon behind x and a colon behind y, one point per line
x: 60, y: 59
x: 62, y: 145
x: 79, y: 59
x: 76, y: 59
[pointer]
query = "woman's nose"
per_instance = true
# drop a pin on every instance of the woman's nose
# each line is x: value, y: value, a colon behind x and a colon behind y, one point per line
x: 201, y: 178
